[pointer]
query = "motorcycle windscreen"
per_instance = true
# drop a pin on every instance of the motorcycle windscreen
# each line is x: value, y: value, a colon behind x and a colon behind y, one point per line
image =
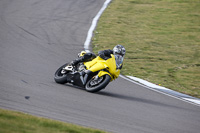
x: 119, y: 60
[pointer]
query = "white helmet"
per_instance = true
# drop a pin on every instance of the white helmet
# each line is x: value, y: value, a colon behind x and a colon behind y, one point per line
x: 119, y: 50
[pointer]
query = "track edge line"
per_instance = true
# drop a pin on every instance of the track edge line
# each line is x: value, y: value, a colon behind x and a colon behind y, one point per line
x: 135, y: 80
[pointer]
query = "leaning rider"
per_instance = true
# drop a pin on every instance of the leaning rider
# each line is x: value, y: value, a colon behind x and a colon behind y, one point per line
x: 105, y: 54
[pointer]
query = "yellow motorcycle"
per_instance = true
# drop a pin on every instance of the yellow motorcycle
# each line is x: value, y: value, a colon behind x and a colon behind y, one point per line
x: 93, y: 75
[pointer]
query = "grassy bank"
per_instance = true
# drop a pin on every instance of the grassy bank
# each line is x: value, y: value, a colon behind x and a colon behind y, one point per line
x: 162, y: 39
x: 16, y: 122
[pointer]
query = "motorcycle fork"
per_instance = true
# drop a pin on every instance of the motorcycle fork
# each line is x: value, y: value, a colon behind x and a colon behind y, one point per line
x: 84, y: 77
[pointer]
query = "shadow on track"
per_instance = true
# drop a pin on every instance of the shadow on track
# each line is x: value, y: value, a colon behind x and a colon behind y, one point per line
x: 131, y: 98
x: 136, y: 99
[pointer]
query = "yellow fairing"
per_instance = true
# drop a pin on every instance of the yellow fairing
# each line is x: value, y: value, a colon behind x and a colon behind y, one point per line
x: 104, y: 66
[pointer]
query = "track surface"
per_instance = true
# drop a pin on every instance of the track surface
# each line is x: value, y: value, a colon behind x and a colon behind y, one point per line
x: 37, y: 37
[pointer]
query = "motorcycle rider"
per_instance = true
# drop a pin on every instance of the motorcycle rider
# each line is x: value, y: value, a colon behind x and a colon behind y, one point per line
x: 118, y: 50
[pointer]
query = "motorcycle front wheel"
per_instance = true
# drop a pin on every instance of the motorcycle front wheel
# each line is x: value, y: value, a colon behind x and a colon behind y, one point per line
x: 94, y: 85
x: 59, y: 77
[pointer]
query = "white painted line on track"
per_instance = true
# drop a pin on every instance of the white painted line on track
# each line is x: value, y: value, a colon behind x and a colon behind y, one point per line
x: 136, y: 80
x: 197, y: 101
x: 147, y: 83
x: 94, y: 23
x: 163, y: 90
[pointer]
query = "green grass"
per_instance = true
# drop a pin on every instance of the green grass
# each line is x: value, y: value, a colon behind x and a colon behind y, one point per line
x: 16, y: 122
x: 161, y: 37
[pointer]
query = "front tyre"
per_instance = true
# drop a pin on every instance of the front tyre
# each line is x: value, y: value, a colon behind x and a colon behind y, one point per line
x: 95, y: 85
x: 59, y: 76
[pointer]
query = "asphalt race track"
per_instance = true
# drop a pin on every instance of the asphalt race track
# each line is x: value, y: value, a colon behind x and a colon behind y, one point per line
x: 37, y: 37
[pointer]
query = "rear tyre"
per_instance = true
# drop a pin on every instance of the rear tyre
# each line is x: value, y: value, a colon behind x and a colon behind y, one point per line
x: 59, y: 76
x: 94, y: 86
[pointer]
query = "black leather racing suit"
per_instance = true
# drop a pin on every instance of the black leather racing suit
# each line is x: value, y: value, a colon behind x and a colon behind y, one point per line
x: 105, y: 54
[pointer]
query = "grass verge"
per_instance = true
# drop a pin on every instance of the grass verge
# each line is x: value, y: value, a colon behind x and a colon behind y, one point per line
x: 162, y: 39
x: 16, y: 122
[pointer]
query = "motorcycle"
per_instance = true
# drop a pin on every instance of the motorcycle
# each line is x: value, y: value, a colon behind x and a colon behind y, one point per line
x: 93, y: 75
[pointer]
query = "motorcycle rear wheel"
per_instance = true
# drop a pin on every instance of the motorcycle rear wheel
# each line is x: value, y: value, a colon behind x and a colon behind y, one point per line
x: 59, y: 77
x: 104, y: 82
